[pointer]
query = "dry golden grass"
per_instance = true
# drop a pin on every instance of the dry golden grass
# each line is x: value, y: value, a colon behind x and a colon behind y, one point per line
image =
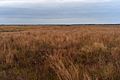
x: 86, y: 52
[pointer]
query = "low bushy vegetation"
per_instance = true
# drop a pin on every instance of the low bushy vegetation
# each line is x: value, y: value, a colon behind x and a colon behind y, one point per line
x: 60, y: 53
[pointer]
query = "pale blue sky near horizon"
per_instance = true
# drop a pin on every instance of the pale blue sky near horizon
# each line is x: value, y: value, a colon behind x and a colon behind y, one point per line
x: 59, y: 11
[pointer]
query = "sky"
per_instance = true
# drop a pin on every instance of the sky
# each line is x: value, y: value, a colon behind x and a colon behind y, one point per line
x: 59, y: 11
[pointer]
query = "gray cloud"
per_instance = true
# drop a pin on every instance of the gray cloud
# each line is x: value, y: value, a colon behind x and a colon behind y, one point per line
x: 61, y: 13
x: 15, y: 3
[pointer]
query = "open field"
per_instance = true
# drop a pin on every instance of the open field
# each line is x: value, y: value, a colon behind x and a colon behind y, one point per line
x: 86, y: 52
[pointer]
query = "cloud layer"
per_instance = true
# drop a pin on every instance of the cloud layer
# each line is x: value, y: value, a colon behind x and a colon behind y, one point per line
x: 14, y: 2
x: 41, y: 1
x: 59, y: 11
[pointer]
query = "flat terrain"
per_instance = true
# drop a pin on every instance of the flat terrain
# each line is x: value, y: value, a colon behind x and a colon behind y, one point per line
x: 83, y: 52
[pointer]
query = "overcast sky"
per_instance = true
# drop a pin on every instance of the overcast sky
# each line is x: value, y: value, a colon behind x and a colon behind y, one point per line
x: 59, y: 11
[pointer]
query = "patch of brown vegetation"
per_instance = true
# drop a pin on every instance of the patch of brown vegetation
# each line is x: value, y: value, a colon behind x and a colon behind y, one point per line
x: 60, y: 53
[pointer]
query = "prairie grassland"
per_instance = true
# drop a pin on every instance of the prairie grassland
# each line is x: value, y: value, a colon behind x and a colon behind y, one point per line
x: 60, y: 52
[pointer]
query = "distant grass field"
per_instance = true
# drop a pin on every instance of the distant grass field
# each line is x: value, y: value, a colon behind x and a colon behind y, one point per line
x: 86, y: 52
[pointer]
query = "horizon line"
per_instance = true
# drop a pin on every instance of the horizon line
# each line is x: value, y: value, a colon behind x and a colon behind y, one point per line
x: 54, y: 24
